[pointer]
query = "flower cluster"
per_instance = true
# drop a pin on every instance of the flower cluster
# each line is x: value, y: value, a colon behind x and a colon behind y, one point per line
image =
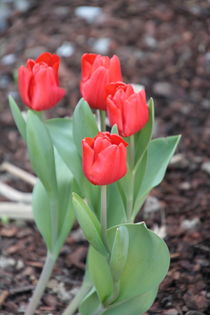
x: 102, y: 88
x: 126, y: 261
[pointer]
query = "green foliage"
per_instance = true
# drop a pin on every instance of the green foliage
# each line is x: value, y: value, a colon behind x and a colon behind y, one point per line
x: 89, y: 223
x: 41, y: 151
x: 17, y: 115
x: 84, y: 123
x: 145, y: 267
x: 42, y: 207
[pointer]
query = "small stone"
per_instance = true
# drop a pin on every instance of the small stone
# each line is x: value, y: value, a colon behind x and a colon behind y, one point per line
x: 206, y: 167
x: 150, y: 41
x: 152, y: 204
x: 8, y: 59
x: 19, y: 264
x: 78, y: 235
x: 163, y: 89
x: 190, y: 224
x: 171, y: 311
x: 185, y: 186
x: 6, y: 262
x: 101, y: 45
x: 88, y: 13
x: 66, y: 49
x: 179, y: 161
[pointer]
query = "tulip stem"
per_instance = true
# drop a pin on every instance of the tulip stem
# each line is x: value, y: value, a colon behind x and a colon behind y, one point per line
x: 41, y: 285
x: 102, y: 120
x: 132, y: 165
x: 132, y: 151
x: 104, y: 216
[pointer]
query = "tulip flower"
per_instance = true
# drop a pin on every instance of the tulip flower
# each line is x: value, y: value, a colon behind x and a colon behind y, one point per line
x: 97, y: 72
x: 38, y: 82
x: 126, y: 108
x: 104, y: 158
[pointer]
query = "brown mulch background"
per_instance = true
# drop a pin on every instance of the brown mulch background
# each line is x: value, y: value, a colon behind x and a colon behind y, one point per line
x: 164, y: 45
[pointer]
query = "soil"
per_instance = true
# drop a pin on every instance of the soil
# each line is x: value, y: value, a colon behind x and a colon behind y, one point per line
x: 163, y: 45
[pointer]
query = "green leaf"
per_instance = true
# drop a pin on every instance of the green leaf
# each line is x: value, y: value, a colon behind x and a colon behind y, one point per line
x: 115, y: 207
x: 89, y: 223
x: 84, y: 123
x: 146, y: 266
x: 143, y: 137
x: 135, y: 306
x: 41, y: 213
x: 42, y: 210
x: 17, y: 115
x: 159, y: 154
x: 90, y: 304
x: 100, y: 274
x: 41, y: 151
x: 61, y: 133
x: 119, y: 252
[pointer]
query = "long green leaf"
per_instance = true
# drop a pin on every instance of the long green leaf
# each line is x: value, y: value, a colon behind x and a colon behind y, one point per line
x: 41, y: 151
x: 84, y: 123
x: 89, y: 223
x: 159, y: 154
x: 17, y: 115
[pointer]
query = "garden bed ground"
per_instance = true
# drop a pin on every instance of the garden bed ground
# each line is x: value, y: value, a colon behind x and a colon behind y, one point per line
x: 164, y: 46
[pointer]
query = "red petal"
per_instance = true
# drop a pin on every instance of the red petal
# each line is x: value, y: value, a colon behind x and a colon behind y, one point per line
x: 24, y: 80
x: 46, y: 93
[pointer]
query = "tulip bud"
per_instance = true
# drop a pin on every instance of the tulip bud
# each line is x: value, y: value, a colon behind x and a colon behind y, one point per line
x: 126, y: 108
x: 97, y: 72
x: 38, y: 82
x: 104, y: 158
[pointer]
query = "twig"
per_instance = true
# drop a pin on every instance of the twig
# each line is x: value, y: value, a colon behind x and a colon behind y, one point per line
x: 16, y: 171
x: 14, y: 195
x: 15, y: 210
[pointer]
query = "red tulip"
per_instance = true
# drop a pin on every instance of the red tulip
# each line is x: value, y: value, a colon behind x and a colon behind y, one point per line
x: 38, y: 82
x: 97, y: 72
x: 104, y: 158
x: 126, y: 108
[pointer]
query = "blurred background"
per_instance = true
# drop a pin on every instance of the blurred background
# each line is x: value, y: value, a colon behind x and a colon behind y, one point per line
x: 163, y: 45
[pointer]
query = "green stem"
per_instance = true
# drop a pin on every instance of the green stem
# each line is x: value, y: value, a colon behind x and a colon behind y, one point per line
x: 73, y: 306
x: 131, y: 149
x: 103, y: 217
x: 41, y: 285
x: 102, y: 120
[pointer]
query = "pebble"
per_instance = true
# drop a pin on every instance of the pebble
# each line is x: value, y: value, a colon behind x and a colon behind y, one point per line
x: 101, y: 45
x: 150, y: 41
x: 6, y: 262
x: 190, y: 224
x: 66, y: 49
x: 88, y: 13
x: 206, y: 167
x: 163, y: 89
x: 152, y: 204
x: 171, y: 311
x: 8, y: 59
x: 179, y: 161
